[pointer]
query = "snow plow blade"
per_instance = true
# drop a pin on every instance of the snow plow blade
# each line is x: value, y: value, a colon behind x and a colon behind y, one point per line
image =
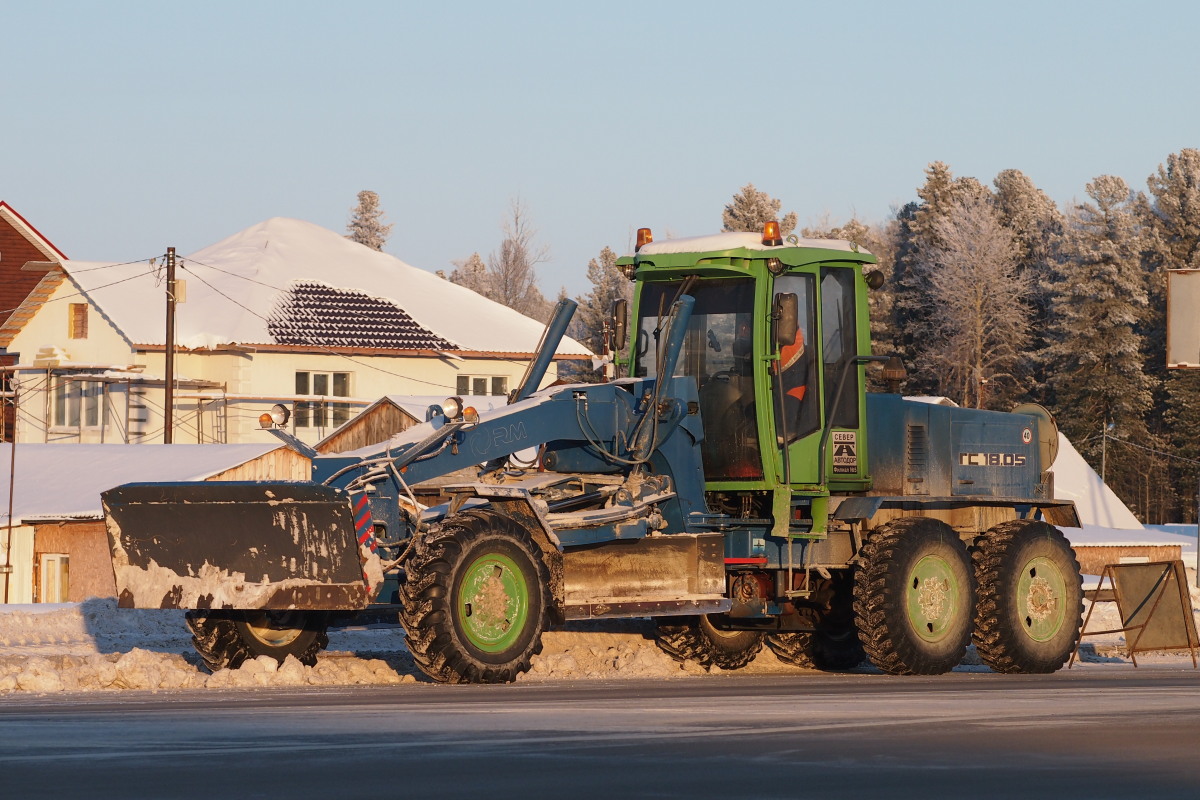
x: 234, y: 545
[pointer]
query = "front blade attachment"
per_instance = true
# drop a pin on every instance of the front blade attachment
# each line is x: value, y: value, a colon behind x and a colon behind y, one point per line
x: 237, y: 545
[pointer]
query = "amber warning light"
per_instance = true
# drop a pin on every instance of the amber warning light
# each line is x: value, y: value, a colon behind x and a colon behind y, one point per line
x: 771, y: 236
x: 644, y: 237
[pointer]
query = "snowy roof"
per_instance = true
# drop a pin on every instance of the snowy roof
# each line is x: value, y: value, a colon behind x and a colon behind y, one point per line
x: 60, y: 481
x: 738, y: 239
x: 932, y: 400
x: 285, y: 281
x: 1101, y: 536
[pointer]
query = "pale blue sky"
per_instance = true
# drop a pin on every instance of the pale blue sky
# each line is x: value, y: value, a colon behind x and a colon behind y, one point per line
x: 131, y: 126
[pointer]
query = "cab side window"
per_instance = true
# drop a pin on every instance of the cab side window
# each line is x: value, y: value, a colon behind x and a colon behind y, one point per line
x: 799, y: 413
x: 839, y: 346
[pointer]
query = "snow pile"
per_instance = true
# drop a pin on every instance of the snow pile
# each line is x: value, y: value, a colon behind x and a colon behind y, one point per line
x: 146, y: 670
x: 1098, y: 505
x: 94, y: 646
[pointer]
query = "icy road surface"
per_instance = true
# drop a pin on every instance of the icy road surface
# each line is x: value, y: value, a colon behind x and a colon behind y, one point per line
x: 1099, y: 732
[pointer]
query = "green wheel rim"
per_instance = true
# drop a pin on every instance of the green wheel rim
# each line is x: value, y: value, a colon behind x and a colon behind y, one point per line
x: 493, y: 603
x: 934, y: 597
x: 1041, y: 591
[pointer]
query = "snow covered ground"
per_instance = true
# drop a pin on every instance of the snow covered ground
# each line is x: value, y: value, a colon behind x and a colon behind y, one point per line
x: 94, y: 646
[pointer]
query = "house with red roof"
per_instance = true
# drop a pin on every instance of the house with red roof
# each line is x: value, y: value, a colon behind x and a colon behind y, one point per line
x: 26, y: 256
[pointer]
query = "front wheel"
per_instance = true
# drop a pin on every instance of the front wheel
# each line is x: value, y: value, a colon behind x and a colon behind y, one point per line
x: 227, y: 639
x: 913, y: 597
x: 475, y: 600
x: 1027, y: 619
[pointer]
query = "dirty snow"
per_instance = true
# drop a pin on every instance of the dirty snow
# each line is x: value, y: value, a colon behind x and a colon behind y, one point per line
x: 94, y: 646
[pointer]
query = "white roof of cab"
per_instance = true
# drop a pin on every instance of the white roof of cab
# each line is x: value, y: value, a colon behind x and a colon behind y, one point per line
x: 732, y: 240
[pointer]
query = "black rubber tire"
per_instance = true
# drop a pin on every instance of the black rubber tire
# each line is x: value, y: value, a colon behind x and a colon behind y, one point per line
x: 227, y: 639
x: 834, y: 646
x: 914, y: 597
x: 700, y: 639
x: 818, y: 650
x: 1030, y: 606
x: 438, y: 572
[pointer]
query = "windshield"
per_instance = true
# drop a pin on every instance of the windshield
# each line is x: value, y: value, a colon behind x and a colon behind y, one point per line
x: 718, y: 352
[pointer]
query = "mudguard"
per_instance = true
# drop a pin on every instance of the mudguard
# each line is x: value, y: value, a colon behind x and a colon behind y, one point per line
x: 239, y: 545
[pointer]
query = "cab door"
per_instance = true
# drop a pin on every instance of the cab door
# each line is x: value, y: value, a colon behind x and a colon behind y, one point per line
x: 796, y: 388
x: 808, y: 374
x: 843, y: 337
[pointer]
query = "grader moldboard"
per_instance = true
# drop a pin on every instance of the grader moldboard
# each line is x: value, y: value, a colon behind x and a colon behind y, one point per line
x: 740, y: 486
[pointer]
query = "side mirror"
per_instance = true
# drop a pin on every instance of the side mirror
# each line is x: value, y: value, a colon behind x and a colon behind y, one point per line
x: 874, y: 279
x: 785, y: 314
x: 619, y: 324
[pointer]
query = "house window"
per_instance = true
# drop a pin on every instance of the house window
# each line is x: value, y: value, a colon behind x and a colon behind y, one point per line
x: 78, y: 321
x: 77, y: 403
x: 54, y: 578
x: 481, y: 385
x: 322, y: 413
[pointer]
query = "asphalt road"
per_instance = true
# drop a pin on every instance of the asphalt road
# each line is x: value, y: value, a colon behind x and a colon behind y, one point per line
x: 1100, y: 732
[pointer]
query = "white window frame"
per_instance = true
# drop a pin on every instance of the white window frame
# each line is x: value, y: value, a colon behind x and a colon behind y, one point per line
x: 494, y: 389
x: 321, y: 413
x: 78, y: 403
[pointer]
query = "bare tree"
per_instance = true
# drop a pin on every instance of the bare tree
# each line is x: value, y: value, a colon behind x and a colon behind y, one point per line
x: 981, y: 326
x: 512, y: 268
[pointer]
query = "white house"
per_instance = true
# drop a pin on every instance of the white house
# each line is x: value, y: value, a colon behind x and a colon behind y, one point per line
x: 282, y: 312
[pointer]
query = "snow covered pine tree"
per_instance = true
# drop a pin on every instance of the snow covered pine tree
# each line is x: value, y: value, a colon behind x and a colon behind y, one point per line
x: 366, y: 222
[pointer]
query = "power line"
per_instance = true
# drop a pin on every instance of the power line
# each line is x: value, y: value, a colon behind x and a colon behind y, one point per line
x: 84, y: 292
x: 350, y: 313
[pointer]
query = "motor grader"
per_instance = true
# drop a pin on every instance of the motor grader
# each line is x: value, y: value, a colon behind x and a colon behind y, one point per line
x: 734, y: 481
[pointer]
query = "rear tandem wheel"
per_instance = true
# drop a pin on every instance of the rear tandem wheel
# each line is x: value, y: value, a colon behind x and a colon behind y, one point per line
x: 913, y: 597
x: 1027, y: 619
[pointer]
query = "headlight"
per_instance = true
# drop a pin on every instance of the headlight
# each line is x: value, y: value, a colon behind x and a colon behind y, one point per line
x: 452, y: 407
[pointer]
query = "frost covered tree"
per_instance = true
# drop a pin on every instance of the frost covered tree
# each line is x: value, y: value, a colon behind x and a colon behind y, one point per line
x: 1037, y: 224
x: 917, y: 246
x: 608, y: 284
x: 1095, y: 359
x: 472, y: 273
x: 366, y: 222
x: 1172, y: 215
x: 750, y: 209
x: 976, y: 337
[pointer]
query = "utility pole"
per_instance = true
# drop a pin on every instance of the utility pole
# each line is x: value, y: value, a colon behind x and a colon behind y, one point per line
x: 169, y: 400
x: 6, y: 570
